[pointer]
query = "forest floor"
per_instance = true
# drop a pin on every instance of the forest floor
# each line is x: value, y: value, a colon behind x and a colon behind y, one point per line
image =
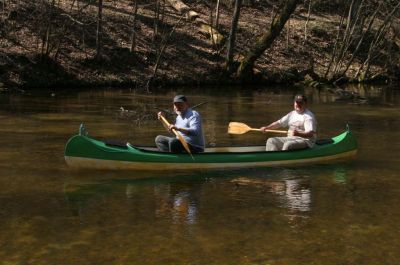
x: 189, y: 57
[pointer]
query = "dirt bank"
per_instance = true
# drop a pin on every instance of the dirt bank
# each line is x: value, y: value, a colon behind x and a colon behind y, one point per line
x: 55, y: 46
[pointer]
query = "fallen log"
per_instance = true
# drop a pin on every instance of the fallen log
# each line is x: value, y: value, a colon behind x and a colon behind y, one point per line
x: 204, y: 27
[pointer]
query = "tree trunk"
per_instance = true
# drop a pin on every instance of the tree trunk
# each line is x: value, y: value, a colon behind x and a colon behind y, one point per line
x: 306, y: 24
x: 164, y: 43
x: 156, y: 19
x: 99, y: 28
x: 133, y: 35
x: 265, y: 41
x: 396, y: 34
x: 232, y: 35
x: 374, y: 45
x: 217, y: 15
x: 355, y: 52
x: 46, y: 40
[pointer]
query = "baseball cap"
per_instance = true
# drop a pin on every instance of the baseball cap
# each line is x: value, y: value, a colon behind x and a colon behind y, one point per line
x: 300, y: 98
x: 180, y: 99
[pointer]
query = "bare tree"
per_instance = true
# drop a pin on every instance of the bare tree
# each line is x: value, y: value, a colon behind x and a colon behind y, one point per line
x: 359, y: 23
x: 375, y: 43
x: 156, y: 19
x: 48, y: 17
x: 265, y: 41
x: 217, y: 15
x: 164, y: 44
x: 133, y: 34
x: 308, y: 20
x: 232, y: 35
x: 99, y: 30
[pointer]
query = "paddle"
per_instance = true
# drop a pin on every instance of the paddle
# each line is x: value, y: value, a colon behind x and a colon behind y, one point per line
x: 180, y: 137
x: 173, y: 113
x: 241, y: 128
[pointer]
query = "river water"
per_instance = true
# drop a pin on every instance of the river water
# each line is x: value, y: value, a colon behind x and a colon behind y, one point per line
x: 340, y: 213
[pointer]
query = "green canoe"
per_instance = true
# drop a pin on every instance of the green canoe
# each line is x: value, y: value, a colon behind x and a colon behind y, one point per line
x: 82, y: 151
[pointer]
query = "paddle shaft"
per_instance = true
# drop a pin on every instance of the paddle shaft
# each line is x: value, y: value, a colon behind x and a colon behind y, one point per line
x: 180, y: 137
x: 172, y: 113
x: 272, y: 131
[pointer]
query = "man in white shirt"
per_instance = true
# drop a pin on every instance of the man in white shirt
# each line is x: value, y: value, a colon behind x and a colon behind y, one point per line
x: 302, y: 128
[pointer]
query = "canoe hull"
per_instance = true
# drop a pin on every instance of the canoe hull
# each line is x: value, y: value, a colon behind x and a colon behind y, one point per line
x: 85, y: 152
x: 80, y: 162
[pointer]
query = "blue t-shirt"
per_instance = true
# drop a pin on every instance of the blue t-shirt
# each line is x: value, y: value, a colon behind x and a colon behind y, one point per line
x: 191, y: 121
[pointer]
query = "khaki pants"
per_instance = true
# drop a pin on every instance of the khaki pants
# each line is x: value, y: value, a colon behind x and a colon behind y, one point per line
x: 286, y: 143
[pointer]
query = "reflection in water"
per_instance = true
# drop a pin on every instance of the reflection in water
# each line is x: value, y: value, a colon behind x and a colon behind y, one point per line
x: 340, y: 175
x: 167, y: 198
x: 294, y: 195
x: 179, y: 205
x: 177, y: 199
x: 183, y: 208
x: 297, y: 195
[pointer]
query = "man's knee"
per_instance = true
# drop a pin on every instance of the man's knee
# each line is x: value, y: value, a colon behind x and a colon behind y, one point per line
x: 288, y: 146
x: 271, y: 145
x: 162, y: 143
x: 294, y: 145
x: 159, y: 139
x: 176, y: 146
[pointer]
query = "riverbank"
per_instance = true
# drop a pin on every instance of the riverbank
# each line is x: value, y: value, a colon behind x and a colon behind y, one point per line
x: 65, y: 55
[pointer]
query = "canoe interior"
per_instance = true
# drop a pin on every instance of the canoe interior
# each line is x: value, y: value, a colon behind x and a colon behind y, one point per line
x: 224, y: 149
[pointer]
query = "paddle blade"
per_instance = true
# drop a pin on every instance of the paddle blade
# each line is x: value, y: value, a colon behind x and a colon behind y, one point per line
x: 182, y: 140
x: 238, y: 128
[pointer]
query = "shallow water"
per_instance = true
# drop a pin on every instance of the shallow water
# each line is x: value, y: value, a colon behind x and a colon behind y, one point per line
x: 341, y: 213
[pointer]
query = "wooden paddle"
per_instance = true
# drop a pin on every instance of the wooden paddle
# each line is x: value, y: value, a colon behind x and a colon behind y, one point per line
x: 173, y: 113
x: 241, y: 128
x: 180, y: 137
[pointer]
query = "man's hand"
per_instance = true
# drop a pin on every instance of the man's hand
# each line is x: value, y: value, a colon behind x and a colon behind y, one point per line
x: 159, y: 114
x: 272, y: 126
x: 292, y: 133
x: 171, y: 127
x: 300, y: 133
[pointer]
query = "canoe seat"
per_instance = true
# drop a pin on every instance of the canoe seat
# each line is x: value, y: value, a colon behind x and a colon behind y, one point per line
x: 324, y: 141
x: 116, y: 143
x: 234, y: 149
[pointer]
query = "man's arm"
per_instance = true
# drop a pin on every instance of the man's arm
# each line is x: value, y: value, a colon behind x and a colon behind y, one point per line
x: 159, y: 114
x: 194, y: 125
x: 272, y: 126
x: 309, y: 129
x: 308, y: 134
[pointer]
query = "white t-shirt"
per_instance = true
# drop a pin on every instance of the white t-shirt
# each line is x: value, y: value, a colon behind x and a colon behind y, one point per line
x: 302, y: 122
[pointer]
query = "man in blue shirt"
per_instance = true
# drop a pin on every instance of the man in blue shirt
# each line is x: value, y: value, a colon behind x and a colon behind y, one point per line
x: 188, y: 124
